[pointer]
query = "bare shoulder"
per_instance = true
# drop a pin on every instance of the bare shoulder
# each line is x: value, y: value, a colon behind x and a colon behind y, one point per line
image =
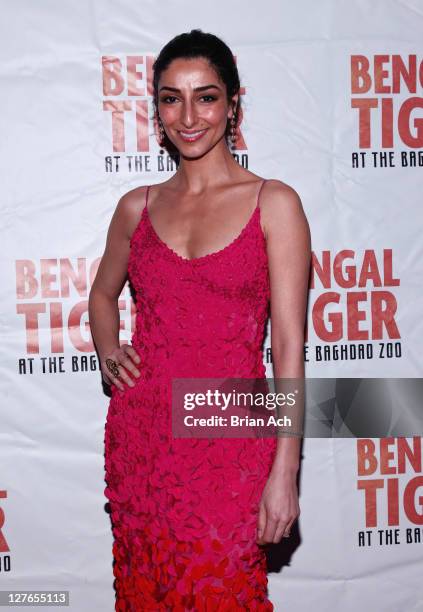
x: 281, y: 209
x: 129, y: 208
x: 278, y: 197
x: 132, y: 202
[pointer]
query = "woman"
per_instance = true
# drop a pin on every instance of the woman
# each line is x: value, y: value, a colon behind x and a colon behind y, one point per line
x: 207, y: 251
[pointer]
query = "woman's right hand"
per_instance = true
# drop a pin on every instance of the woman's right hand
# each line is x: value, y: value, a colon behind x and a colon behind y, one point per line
x: 125, y: 357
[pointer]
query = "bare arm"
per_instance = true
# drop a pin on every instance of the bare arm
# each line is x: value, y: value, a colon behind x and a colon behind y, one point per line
x: 108, y: 284
x: 289, y: 255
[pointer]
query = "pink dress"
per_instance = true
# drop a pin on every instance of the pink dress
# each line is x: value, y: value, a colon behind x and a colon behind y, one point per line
x: 184, y: 511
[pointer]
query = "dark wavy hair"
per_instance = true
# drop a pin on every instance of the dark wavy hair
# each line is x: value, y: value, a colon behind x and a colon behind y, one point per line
x: 197, y: 43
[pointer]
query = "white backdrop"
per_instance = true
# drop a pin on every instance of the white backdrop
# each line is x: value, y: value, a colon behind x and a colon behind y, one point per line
x: 332, y: 106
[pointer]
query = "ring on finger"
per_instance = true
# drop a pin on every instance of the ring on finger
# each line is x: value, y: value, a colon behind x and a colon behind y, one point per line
x: 113, y: 367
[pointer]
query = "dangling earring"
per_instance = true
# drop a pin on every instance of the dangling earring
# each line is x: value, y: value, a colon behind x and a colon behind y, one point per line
x: 161, y: 131
x: 233, y: 132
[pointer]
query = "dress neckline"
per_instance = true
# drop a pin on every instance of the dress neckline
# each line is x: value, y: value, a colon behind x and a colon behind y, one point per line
x: 213, y: 254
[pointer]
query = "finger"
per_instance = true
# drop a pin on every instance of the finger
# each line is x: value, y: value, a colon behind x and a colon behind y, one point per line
x: 288, y: 527
x: 115, y: 381
x: 124, y: 376
x: 132, y: 353
x: 281, y: 530
x: 261, y: 523
x: 106, y: 379
x: 127, y: 362
x: 269, y: 530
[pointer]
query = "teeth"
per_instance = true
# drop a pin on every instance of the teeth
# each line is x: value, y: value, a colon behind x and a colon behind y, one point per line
x: 191, y: 135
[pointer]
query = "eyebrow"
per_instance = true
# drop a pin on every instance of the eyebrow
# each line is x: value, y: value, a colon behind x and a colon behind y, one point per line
x: 202, y: 88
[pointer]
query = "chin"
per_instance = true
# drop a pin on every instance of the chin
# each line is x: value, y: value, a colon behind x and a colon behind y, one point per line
x: 191, y: 154
x: 188, y: 150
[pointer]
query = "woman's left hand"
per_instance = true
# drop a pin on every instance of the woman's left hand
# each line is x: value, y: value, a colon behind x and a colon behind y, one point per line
x: 279, y: 508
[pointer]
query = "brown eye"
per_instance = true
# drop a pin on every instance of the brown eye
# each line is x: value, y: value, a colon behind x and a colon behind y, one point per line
x: 167, y: 98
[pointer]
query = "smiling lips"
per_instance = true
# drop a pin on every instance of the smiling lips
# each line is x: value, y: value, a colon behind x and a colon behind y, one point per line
x: 192, y: 136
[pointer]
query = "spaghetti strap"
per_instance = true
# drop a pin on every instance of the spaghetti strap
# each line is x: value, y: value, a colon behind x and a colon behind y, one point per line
x: 146, y: 196
x: 143, y: 215
x: 259, y: 192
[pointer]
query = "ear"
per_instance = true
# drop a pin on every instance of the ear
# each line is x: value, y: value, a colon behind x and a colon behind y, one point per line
x: 232, y: 106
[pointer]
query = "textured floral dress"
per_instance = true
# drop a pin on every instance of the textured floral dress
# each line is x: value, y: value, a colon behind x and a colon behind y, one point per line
x: 184, y: 510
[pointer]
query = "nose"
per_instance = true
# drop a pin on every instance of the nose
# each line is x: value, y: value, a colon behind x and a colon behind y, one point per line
x: 188, y: 117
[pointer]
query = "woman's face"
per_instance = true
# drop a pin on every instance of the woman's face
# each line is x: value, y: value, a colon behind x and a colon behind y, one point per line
x: 192, y: 105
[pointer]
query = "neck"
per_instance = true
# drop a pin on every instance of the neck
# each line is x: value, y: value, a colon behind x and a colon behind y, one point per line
x: 198, y: 175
